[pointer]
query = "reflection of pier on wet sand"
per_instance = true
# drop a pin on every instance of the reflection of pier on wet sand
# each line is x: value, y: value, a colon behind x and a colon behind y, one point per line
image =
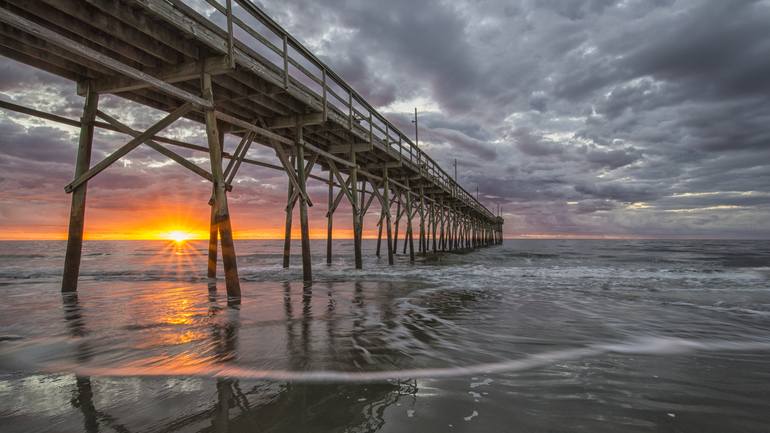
x: 314, y: 332
x: 227, y: 65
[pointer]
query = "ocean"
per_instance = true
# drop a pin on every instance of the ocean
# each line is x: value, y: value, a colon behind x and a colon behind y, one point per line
x: 550, y: 336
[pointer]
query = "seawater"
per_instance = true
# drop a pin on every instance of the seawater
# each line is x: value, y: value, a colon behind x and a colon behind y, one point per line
x: 531, y: 336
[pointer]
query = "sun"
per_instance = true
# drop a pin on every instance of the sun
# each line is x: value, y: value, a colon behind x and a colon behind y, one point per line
x: 178, y: 236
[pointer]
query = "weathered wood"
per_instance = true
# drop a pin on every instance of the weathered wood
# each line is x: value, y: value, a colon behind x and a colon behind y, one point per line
x: 368, y: 202
x: 327, y: 155
x: 308, y: 167
x: 423, y: 245
x: 330, y: 219
x: 235, y: 162
x: 307, y: 273
x: 222, y: 214
x: 433, y: 226
x: 395, y: 226
x: 338, y: 199
x: 346, y: 148
x: 171, y: 74
x: 159, y: 148
x: 123, y: 150
x: 161, y: 139
x: 95, y: 56
x: 78, y: 206
x: 379, y: 232
x: 296, y: 119
x: 356, y: 216
x: 249, y: 127
x: 211, y: 270
x: 288, y: 166
x: 381, y: 165
x: 287, y: 229
x: 409, y: 232
x: 442, y: 227
x: 386, y: 208
x: 343, y: 184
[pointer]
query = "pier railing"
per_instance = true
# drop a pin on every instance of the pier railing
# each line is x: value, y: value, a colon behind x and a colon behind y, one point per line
x: 248, y: 28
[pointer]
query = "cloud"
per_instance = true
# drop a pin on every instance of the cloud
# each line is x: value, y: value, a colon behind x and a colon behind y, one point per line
x: 584, y: 116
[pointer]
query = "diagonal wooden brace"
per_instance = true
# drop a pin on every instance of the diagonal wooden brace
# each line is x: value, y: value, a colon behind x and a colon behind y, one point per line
x: 281, y: 153
x: 368, y: 203
x: 238, y: 155
x: 308, y: 168
x: 161, y: 149
x: 376, y: 192
x: 338, y: 199
x: 343, y: 184
x: 136, y: 141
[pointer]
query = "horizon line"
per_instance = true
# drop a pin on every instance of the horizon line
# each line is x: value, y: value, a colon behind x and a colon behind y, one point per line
x: 524, y: 237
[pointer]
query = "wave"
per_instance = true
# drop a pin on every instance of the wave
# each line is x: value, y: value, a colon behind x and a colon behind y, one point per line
x: 639, y: 346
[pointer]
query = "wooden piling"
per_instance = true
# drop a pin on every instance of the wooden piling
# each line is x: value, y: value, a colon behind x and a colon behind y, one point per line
x: 287, y: 225
x: 409, y: 215
x: 213, y: 241
x: 78, y: 206
x: 222, y: 214
x: 329, y: 219
x: 395, y: 225
x: 423, y: 244
x: 386, y: 209
x: 442, y: 222
x: 379, y: 233
x: 307, y: 273
x: 433, y: 223
x: 356, y: 210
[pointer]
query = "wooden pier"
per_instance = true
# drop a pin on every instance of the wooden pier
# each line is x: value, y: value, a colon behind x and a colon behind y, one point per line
x: 229, y: 66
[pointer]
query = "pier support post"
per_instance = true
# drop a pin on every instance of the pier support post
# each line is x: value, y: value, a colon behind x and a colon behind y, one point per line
x: 356, y: 211
x: 409, y: 214
x: 211, y: 273
x: 329, y: 218
x: 379, y: 233
x: 78, y: 207
x: 467, y: 231
x: 434, y: 224
x: 222, y: 214
x: 408, y: 211
x: 386, y: 208
x: 398, y: 218
x: 287, y: 226
x: 442, y: 235
x: 422, y: 222
x: 307, y: 273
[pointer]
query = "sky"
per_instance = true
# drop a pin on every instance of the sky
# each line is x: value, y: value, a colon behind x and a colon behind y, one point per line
x: 580, y: 118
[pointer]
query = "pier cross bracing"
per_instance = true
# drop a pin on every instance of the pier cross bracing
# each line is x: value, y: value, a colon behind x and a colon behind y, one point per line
x: 229, y: 66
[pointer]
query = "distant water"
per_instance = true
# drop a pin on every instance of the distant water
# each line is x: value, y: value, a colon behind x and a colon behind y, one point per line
x: 532, y: 336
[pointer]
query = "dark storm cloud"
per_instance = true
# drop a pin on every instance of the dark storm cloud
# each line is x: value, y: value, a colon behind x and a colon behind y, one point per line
x: 628, y: 117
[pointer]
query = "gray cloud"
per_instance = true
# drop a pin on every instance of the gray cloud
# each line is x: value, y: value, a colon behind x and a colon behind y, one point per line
x: 591, y: 116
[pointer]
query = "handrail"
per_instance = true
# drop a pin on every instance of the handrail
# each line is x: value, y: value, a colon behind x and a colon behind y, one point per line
x: 404, y: 144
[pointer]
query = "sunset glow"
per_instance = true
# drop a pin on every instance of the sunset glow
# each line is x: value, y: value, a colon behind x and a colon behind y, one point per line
x: 178, y: 236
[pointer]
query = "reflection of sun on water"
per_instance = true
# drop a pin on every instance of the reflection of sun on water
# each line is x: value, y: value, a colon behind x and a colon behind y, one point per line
x: 177, y: 254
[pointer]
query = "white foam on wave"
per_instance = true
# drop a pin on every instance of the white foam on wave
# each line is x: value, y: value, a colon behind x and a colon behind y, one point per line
x: 639, y: 346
